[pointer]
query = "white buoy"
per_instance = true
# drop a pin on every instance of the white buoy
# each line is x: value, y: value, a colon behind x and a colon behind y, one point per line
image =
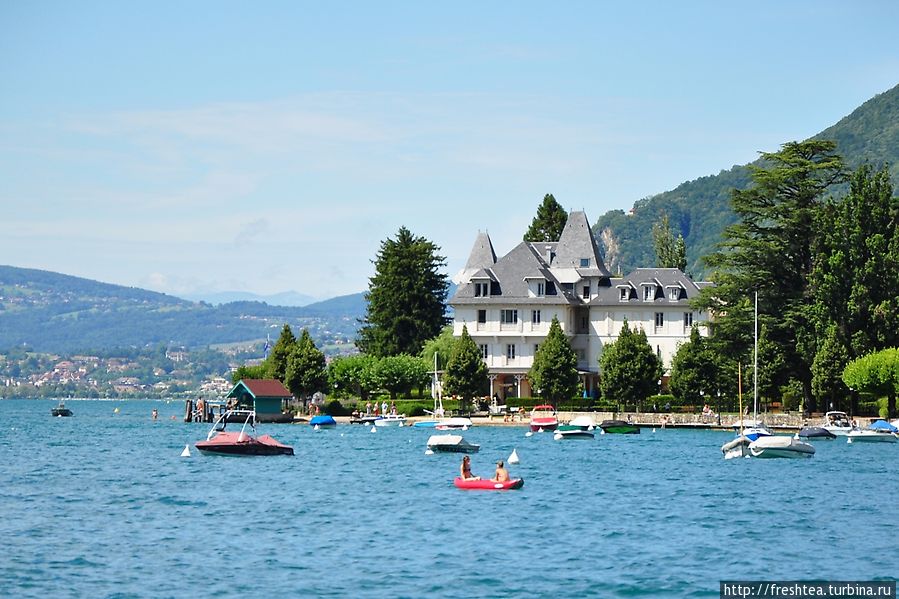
x: 557, y: 436
x: 653, y: 430
x: 465, y: 427
x: 540, y: 430
x: 374, y: 429
x: 528, y: 434
x: 316, y: 428
x: 513, y: 457
x: 602, y: 431
x: 849, y: 440
x: 429, y: 452
x: 186, y: 452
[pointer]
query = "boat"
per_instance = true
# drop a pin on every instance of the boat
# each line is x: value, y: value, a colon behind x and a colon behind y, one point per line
x: 738, y: 447
x: 779, y: 446
x: 584, y: 422
x: 391, y: 420
x: 488, y: 485
x: 453, y: 423
x: 572, y: 431
x: 543, y: 417
x: 838, y: 423
x: 619, y: 427
x: 815, y: 432
x: 222, y: 442
x: 755, y: 428
x: 451, y: 444
x: 61, y: 410
x: 367, y: 420
x: 323, y: 421
x: 879, y: 431
x: 436, y: 394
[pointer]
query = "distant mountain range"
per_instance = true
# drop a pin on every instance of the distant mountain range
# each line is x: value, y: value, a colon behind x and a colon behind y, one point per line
x: 701, y: 209
x: 58, y: 313
x: 285, y: 298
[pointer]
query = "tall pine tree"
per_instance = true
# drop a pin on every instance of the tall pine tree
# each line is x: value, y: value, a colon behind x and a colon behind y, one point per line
x: 276, y: 362
x: 549, y: 222
x: 305, y: 373
x: 406, y: 297
x: 466, y: 373
x: 628, y: 368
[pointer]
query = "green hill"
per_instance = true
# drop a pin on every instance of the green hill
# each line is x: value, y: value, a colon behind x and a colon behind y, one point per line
x: 700, y: 209
x: 51, y: 312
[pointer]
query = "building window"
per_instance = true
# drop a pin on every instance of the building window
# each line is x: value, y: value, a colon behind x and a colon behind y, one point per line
x: 550, y: 288
x: 535, y: 316
x: 688, y: 321
x: 586, y: 292
x: 585, y: 262
x: 510, y: 351
x: 485, y: 353
x: 660, y: 320
x: 649, y: 293
x: 674, y: 294
x: 623, y: 294
x: 481, y: 289
x: 482, y: 316
x: 536, y: 348
x: 508, y: 316
x: 541, y: 289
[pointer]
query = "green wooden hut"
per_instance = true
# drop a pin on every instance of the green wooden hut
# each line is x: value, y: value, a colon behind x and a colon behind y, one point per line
x: 268, y: 397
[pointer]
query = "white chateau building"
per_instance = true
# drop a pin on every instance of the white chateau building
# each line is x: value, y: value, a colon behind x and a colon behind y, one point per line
x: 508, y: 304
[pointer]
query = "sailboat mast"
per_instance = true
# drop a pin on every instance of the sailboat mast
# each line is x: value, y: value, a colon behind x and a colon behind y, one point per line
x: 755, y: 359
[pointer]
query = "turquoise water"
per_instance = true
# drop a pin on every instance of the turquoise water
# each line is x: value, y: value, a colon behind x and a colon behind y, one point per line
x: 102, y: 505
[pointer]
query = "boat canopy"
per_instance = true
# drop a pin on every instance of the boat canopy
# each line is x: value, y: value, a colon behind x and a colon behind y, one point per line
x: 883, y: 425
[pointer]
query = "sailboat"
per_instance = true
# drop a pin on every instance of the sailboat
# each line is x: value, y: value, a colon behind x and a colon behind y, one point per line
x: 438, y: 402
x: 757, y: 440
x: 739, y: 447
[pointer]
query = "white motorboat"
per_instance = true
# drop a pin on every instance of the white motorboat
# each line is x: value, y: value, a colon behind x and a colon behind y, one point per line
x: 880, y: 431
x: 737, y: 448
x: 777, y: 446
x: 453, y: 423
x: 391, y: 420
x: 838, y: 423
x: 451, y: 444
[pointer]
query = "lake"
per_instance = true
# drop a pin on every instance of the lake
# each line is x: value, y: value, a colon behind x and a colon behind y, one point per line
x: 103, y: 505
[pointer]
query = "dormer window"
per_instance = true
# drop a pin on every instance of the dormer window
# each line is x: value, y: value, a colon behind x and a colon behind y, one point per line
x: 585, y: 262
x: 674, y: 293
x: 481, y: 289
x: 649, y: 293
x: 541, y: 289
x: 623, y: 294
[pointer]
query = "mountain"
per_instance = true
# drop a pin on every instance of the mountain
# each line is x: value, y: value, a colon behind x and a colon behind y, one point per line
x: 51, y: 312
x: 700, y: 209
x: 285, y: 298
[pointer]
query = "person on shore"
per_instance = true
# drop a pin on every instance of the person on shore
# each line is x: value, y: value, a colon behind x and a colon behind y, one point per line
x: 501, y: 475
x: 393, y: 408
x: 465, y: 470
x: 384, y: 407
x: 368, y: 408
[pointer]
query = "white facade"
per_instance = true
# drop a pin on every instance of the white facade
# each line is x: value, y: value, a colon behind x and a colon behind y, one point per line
x: 508, y: 304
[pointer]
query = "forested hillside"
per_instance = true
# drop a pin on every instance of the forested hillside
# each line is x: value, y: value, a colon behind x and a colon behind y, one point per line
x: 700, y: 209
x: 52, y: 312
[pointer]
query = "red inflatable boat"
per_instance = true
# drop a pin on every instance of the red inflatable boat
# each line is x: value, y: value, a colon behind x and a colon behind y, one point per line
x: 489, y: 485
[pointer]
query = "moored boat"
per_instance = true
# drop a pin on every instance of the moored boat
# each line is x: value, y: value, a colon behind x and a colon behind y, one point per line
x: 488, y: 485
x: 61, y: 410
x: 222, y: 442
x: 838, y: 423
x: 775, y: 446
x: 451, y: 444
x: 453, y: 423
x: 323, y: 421
x: 619, y: 427
x: 573, y: 431
x: 391, y: 420
x: 879, y: 431
x: 543, y: 417
x: 815, y: 432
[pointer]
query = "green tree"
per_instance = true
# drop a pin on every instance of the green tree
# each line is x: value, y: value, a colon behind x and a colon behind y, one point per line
x: 876, y: 373
x: 696, y: 373
x: 466, y: 373
x: 400, y: 374
x: 554, y: 372
x: 442, y: 345
x: 628, y: 368
x: 770, y: 250
x: 671, y: 252
x: 276, y: 362
x: 354, y: 375
x: 854, y: 279
x: 259, y: 371
x: 305, y: 372
x: 406, y: 297
x: 549, y: 222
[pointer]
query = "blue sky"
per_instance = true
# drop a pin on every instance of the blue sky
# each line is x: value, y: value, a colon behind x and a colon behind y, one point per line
x: 194, y: 147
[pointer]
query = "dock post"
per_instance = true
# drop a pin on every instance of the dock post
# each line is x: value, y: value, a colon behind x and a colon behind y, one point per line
x: 189, y: 410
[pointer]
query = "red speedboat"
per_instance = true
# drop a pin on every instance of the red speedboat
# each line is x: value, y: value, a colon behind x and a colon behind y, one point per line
x: 543, y: 417
x: 223, y: 442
